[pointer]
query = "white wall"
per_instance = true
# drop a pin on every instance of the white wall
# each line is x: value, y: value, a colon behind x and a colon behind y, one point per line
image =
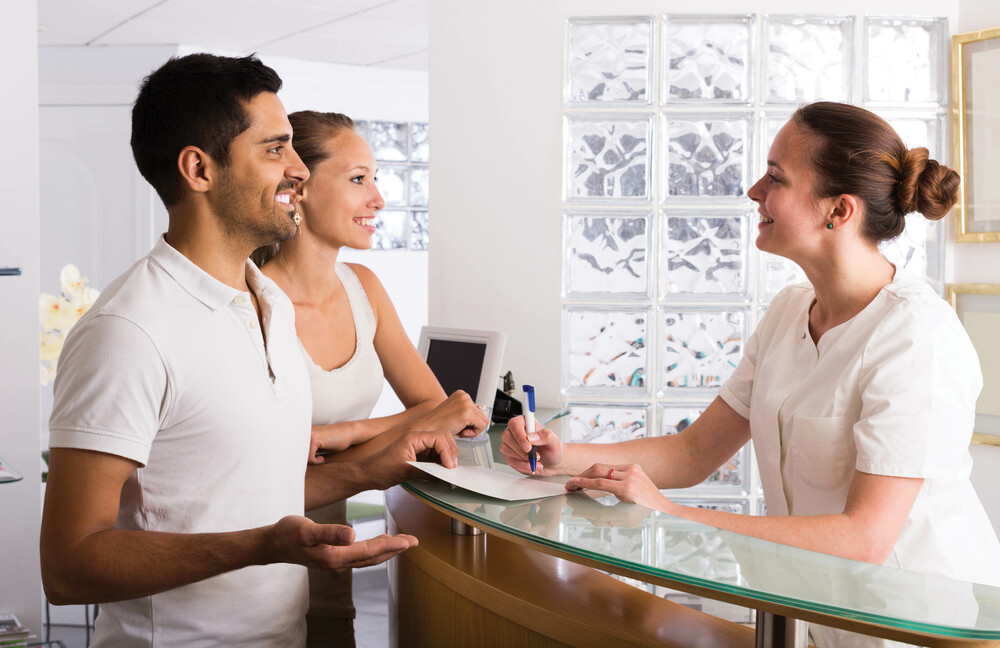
x: 20, y: 502
x: 979, y: 263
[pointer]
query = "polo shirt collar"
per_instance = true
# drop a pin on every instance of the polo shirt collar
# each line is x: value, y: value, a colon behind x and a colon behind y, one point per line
x: 198, y: 283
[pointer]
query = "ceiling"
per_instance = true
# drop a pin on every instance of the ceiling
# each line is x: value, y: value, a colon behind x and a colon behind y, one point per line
x: 379, y: 33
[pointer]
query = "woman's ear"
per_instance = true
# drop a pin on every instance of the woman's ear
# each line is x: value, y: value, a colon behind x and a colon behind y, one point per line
x: 197, y: 168
x: 845, y: 209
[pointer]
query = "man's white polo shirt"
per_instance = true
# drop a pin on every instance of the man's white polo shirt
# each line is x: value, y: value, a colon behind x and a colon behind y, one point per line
x: 170, y: 369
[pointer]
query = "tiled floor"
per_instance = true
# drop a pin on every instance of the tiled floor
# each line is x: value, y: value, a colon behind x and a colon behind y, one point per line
x: 371, y: 628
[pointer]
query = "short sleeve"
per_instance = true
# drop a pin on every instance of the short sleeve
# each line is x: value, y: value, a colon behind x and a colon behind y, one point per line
x: 110, y: 389
x: 737, y: 390
x: 918, y: 383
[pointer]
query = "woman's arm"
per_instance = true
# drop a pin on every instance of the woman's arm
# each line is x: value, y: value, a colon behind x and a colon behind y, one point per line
x: 675, y: 461
x: 408, y: 375
x: 873, y: 517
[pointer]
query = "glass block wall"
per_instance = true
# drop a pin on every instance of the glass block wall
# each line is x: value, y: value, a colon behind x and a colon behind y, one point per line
x: 667, y: 123
x: 402, y: 153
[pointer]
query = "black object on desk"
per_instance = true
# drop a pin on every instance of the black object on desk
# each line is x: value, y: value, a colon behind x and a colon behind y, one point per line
x: 505, y: 407
x: 10, y: 272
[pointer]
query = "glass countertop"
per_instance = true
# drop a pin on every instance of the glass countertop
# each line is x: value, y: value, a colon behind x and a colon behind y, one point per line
x: 664, y: 549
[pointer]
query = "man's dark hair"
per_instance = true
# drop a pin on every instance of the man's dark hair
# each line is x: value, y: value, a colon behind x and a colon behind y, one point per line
x: 194, y: 100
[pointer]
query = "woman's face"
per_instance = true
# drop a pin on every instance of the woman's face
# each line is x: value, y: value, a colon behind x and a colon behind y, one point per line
x: 792, y: 220
x: 340, y: 199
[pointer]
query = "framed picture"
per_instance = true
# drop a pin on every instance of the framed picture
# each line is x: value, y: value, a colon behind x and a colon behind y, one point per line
x: 975, y: 60
x: 978, y: 306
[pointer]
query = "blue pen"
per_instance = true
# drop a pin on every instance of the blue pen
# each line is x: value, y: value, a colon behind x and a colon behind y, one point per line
x: 529, y: 424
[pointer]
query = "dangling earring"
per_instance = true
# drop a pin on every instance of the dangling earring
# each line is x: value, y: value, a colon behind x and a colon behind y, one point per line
x: 828, y: 225
x: 296, y: 218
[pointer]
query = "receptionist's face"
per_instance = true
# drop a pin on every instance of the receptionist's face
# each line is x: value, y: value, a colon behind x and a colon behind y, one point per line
x: 340, y: 199
x: 792, y: 219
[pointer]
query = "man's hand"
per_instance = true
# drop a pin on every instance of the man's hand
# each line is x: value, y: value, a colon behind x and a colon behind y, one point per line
x: 301, y: 541
x: 458, y: 415
x: 389, y: 467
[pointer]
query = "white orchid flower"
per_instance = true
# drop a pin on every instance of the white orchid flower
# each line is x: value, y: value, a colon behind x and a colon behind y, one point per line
x: 56, y: 313
x: 72, y: 282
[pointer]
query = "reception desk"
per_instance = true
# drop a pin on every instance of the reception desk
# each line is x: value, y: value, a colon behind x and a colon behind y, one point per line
x: 538, y: 576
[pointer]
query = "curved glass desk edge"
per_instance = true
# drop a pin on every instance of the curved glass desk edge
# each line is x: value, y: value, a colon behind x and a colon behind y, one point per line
x: 764, y: 571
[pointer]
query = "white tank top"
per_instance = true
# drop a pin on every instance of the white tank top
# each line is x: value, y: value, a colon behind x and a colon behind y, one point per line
x: 349, y: 392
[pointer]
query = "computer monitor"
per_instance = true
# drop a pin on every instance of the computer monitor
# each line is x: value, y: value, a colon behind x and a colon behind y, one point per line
x: 464, y: 359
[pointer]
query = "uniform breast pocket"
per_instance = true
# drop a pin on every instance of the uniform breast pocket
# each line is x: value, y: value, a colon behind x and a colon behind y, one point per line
x: 823, y: 451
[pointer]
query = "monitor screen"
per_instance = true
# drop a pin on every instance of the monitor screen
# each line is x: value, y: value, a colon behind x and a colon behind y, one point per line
x: 456, y: 364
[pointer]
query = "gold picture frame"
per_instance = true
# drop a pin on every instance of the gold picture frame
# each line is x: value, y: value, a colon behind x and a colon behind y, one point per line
x: 975, y: 105
x: 978, y: 307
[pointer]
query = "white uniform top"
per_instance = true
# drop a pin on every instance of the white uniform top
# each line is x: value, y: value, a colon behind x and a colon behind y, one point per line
x: 169, y: 369
x: 345, y: 393
x: 890, y: 392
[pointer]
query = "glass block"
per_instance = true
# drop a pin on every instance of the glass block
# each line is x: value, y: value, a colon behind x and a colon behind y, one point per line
x: 390, y: 230
x: 388, y: 140
x: 920, y: 130
x: 808, y: 59
x: 775, y: 273
x: 361, y: 128
x: 761, y: 507
x: 419, y: 230
x: 919, y: 249
x: 905, y: 60
x: 419, y: 186
x: 708, y: 58
x: 607, y: 255
x: 704, y: 256
x: 589, y: 423
x: 707, y: 157
x: 771, y: 123
x: 607, y: 158
x: 392, y: 184
x: 420, y: 150
x: 609, y: 61
x: 617, y: 542
x: 606, y: 350
x: 700, y: 553
x: 701, y: 348
x: 676, y: 418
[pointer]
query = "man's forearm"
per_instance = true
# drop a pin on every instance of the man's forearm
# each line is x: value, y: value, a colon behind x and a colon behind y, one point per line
x: 115, y: 565
x: 337, y: 480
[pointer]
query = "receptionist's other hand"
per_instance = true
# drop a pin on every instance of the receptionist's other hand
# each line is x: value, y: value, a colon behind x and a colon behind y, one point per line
x: 629, y: 483
x: 517, y: 444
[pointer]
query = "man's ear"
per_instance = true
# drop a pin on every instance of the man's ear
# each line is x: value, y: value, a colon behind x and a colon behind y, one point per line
x: 197, y: 168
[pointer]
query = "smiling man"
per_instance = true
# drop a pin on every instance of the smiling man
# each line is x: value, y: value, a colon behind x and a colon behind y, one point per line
x: 181, y: 426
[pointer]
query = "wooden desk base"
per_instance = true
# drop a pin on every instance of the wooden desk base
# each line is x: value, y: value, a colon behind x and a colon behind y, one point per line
x: 484, y: 591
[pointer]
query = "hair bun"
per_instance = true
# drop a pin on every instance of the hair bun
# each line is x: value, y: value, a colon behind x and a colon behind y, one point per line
x: 925, y: 186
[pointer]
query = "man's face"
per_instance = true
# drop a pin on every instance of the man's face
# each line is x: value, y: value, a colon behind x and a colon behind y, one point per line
x: 255, y: 199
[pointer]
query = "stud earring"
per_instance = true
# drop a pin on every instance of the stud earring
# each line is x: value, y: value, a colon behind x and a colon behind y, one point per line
x: 828, y: 225
x: 296, y: 218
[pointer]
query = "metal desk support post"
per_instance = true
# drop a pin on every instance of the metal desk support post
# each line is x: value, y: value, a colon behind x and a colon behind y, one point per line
x: 776, y: 631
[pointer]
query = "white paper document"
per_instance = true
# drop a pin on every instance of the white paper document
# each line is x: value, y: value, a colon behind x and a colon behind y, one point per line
x: 492, y: 483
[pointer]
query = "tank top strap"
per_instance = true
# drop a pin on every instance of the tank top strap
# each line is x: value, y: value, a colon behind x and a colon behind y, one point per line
x: 364, y: 316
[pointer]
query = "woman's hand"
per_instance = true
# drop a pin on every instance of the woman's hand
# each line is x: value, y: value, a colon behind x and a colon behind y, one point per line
x: 334, y: 437
x: 517, y: 444
x: 629, y: 483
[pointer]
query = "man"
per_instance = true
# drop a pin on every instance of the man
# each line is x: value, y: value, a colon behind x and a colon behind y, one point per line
x: 181, y: 423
